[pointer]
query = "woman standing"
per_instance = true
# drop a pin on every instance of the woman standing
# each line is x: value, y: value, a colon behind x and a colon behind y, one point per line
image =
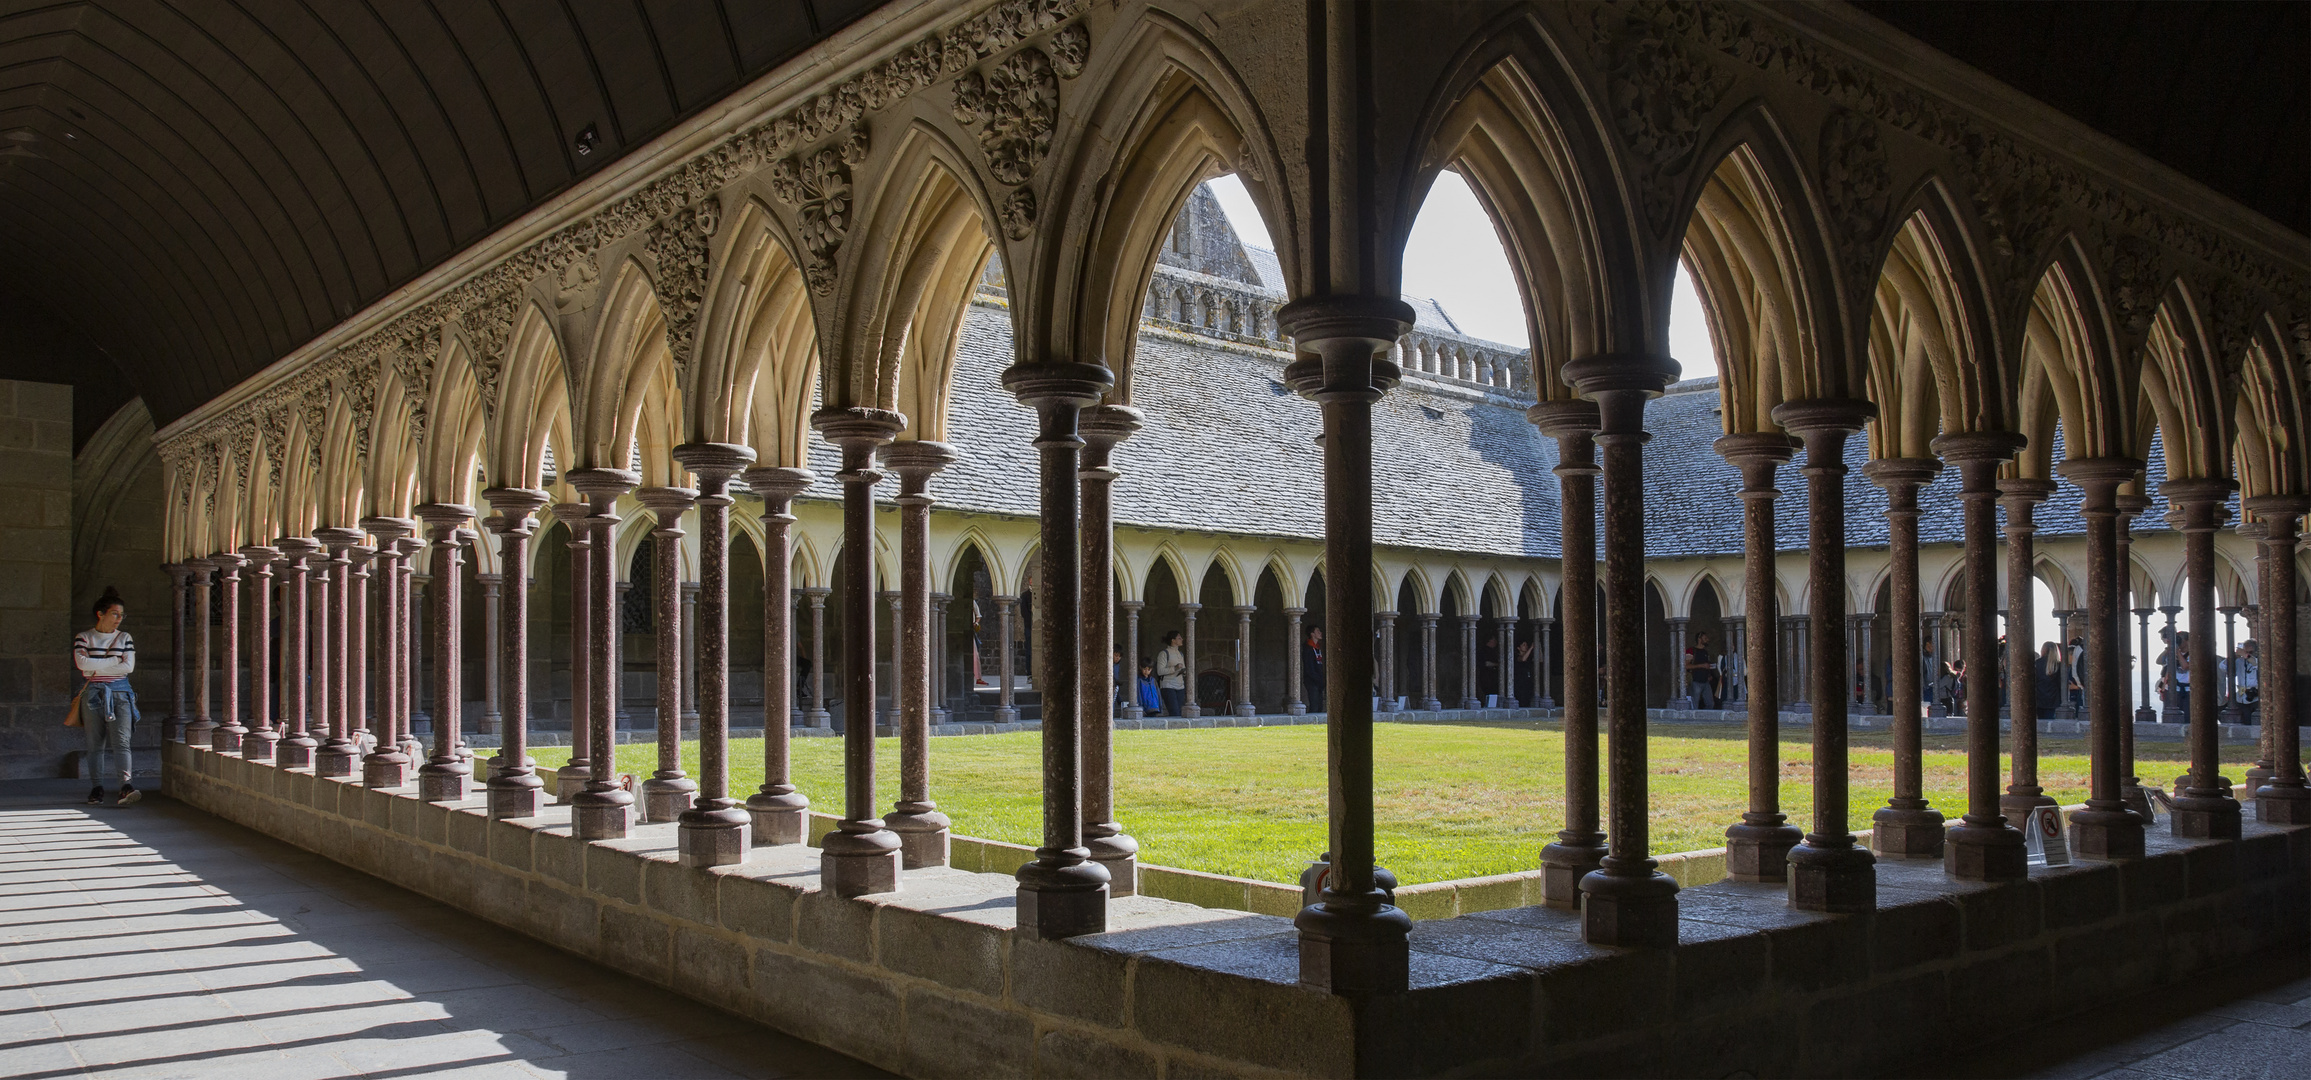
x: 105, y: 656
x: 2046, y: 689
x: 1171, y: 671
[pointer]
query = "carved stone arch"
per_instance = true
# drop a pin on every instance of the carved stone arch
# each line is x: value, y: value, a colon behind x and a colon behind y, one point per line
x: 1231, y: 568
x: 533, y: 410
x: 300, y: 487
x: 1708, y: 580
x: 2066, y: 592
x: 2270, y: 450
x: 1288, y: 584
x: 2070, y: 373
x: 973, y: 539
x: 1935, y: 363
x: 1424, y: 591
x: 1168, y: 554
x: 1761, y: 274
x: 456, y: 443
x: 630, y: 398
x: 809, y: 571
x: 2183, y: 381
x: 1456, y: 584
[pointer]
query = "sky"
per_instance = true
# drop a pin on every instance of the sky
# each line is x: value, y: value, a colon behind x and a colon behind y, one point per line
x: 1455, y: 258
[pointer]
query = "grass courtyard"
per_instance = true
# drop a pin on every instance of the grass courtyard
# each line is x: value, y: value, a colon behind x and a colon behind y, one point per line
x: 1454, y: 800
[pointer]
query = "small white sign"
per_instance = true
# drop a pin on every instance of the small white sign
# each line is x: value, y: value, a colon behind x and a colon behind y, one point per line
x: 2042, y: 834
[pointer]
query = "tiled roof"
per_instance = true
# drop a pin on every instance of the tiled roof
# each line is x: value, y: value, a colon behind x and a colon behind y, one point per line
x: 1228, y: 448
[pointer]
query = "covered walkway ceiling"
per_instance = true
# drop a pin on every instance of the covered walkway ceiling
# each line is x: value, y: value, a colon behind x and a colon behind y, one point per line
x: 192, y: 190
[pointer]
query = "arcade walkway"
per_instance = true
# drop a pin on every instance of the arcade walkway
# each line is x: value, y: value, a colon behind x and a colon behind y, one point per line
x: 160, y: 941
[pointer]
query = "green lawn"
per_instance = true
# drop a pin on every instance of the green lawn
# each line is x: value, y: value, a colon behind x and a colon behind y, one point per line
x: 1454, y: 801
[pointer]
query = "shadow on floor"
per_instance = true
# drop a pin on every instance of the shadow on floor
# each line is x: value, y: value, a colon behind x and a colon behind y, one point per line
x: 157, y: 940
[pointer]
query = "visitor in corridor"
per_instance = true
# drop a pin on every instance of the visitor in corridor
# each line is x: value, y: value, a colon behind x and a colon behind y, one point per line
x: 1312, y: 669
x: 2250, y: 682
x: 105, y: 656
x: 2078, y: 672
x: 1171, y: 671
x: 1151, y: 700
x: 2167, y: 683
x: 1702, y: 669
x: 1524, y: 674
x: 2046, y: 680
x: 1936, y: 679
x: 2182, y: 678
x: 1123, y: 684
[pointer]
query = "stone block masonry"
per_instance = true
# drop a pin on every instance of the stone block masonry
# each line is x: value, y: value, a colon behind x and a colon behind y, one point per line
x: 36, y: 610
x: 933, y: 981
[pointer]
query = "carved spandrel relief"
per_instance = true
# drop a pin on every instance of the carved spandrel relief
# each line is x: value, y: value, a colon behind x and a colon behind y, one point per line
x: 1857, y: 186
x: 818, y: 187
x: 683, y: 248
x: 1659, y: 91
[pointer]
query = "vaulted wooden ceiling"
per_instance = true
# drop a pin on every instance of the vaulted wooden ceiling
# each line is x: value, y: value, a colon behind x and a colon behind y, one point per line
x: 197, y: 187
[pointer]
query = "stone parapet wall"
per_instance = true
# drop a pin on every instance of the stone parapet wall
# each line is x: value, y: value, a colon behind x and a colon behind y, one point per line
x: 933, y: 981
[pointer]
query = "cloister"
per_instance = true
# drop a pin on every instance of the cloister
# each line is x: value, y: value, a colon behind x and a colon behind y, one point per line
x: 909, y: 379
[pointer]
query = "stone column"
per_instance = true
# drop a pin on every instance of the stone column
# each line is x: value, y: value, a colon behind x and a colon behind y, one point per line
x: 1104, y: 427
x: 2022, y: 497
x: 1428, y: 698
x: 2168, y: 712
x: 320, y: 648
x: 180, y: 580
x: 1626, y: 901
x: 443, y: 776
x: 1829, y: 871
x: 861, y: 856
x: 1132, y: 708
x: 1063, y: 892
x: 514, y: 788
x: 1353, y: 939
x: 1858, y: 661
x: 295, y: 749
x: 1294, y: 640
x: 198, y: 732
x: 410, y: 629
x: 1386, y: 659
x: 2204, y: 808
x: 1735, y: 646
x: 2107, y: 828
x: 492, y: 714
x: 2285, y: 800
x: 1983, y: 846
x: 1471, y: 694
x: 668, y: 791
x: 257, y: 580
x: 1757, y: 849
x: 338, y: 751
x: 571, y: 778
x: 1580, y: 846
x: 1541, y: 628
x: 603, y: 810
x: 942, y: 686
x: 358, y: 713
x: 887, y: 723
x: 1680, y: 684
x: 916, y: 818
x: 2145, y: 713
x: 1188, y: 705
x: 1005, y: 606
x: 226, y: 738
x: 1505, y: 638
x: 386, y: 765
x: 713, y: 829
x: 818, y: 716
x: 2231, y: 712
x: 1244, y: 661
x: 780, y: 814
x: 690, y: 658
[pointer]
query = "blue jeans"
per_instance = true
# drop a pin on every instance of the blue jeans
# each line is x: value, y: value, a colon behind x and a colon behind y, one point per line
x: 108, y: 714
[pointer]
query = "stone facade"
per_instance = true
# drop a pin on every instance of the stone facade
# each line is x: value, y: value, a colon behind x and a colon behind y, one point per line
x: 36, y: 595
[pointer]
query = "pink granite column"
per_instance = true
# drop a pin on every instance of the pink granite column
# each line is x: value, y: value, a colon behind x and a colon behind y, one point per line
x: 604, y: 810
x: 1189, y: 707
x: 198, y: 732
x: 668, y: 791
x: 2285, y: 800
x: 713, y: 830
x: 861, y: 855
x: 1580, y: 846
x: 2204, y: 808
x: 1757, y: 849
x: 818, y: 716
x: 1983, y: 846
x: 916, y: 818
x: 180, y: 657
x: 1294, y: 640
x: 295, y: 750
x: 387, y: 765
x: 514, y: 788
x: 408, y: 630
x: 571, y: 778
x: 1132, y: 709
x: 257, y: 744
x: 338, y: 751
x: 1005, y: 606
x: 1243, y: 694
x: 1428, y: 698
x: 780, y: 814
x: 226, y: 739
x: 358, y: 713
x: 2021, y: 497
x: 2106, y: 828
x: 2130, y: 505
x: 443, y: 776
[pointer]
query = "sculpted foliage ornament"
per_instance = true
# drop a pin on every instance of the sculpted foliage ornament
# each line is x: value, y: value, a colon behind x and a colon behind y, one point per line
x: 1016, y: 107
x: 1857, y: 185
x: 819, y: 188
x: 2138, y: 282
x: 683, y: 248
x: 1659, y: 91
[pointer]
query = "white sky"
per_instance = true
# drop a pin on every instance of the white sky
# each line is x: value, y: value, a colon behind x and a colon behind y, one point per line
x: 1455, y: 258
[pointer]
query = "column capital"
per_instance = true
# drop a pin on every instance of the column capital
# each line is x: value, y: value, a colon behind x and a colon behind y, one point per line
x: 573, y: 514
x: 338, y: 539
x: 600, y: 485
x: 228, y: 563
x: 443, y: 518
x: 2200, y: 500
x: 1058, y: 384
x: 389, y: 529
x: 2100, y: 475
x: 1189, y: 608
x: 858, y: 431
x: 2272, y: 506
x: 668, y: 505
x: 713, y: 463
x: 777, y: 484
x: 1246, y: 609
x: 261, y: 557
x: 1574, y: 419
x: 2130, y: 504
x: 295, y: 549
x: 1824, y: 416
x: 1607, y: 373
x: 1677, y: 620
x: 1104, y: 426
x: 1970, y: 447
x: 360, y: 554
x: 1296, y: 612
x: 1127, y: 605
x: 916, y: 461
x: 1893, y: 473
x: 818, y: 593
x: 1345, y: 338
x: 1756, y: 450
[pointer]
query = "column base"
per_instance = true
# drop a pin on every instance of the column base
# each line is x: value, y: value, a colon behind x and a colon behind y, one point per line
x: 1117, y: 852
x: 2106, y: 833
x: 1052, y: 914
x: 1130, y: 712
x: 1760, y: 852
x: 666, y: 798
x: 258, y: 745
x: 712, y: 837
x: 1355, y: 953
x: 860, y: 863
x: 1247, y: 710
x: 1563, y: 865
x: 569, y: 780
x: 1987, y: 853
x: 2289, y: 805
x: 384, y: 770
x: 818, y: 718
x: 1629, y: 910
x: 2256, y: 780
x: 1432, y: 705
x: 335, y: 760
x: 922, y: 837
x: 441, y: 783
x: 1678, y: 704
x: 2146, y: 715
x: 514, y: 797
x: 1908, y: 832
x: 599, y: 815
x: 1295, y: 708
x: 2206, y: 817
x: 1190, y: 712
x: 227, y: 740
x: 199, y: 733
x: 778, y: 819
x: 294, y: 752
x: 1834, y: 880
x: 2017, y: 805
x: 1005, y: 714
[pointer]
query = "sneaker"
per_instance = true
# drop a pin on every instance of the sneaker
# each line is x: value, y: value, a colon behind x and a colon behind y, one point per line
x: 128, y: 796
x: 96, y: 795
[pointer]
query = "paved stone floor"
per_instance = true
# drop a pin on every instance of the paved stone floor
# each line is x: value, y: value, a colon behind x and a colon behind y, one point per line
x: 2252, y: 1024
x: 157, y: 941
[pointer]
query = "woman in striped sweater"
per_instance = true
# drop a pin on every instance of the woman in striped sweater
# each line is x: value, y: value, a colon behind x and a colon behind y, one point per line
x: 105, y: 657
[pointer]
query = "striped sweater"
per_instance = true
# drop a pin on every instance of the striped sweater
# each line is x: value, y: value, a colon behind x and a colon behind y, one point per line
x: 104, y: 657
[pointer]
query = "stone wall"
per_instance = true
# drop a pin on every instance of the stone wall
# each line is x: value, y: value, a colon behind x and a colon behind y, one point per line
x: 118, y: 507
x: 36, y: 621
x: 933, y: 981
